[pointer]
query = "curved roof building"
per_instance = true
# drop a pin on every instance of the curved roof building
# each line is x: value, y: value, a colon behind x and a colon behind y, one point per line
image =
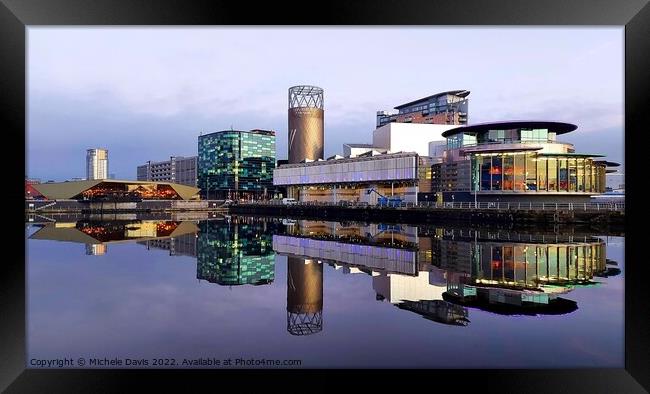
x: 114, y: 189
x: 515, y: 160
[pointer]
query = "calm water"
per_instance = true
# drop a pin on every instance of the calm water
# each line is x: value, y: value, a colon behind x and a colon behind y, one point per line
x: 328, y: 294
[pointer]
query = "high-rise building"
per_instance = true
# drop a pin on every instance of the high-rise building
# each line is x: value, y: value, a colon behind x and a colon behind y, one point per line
x: 96, y: 164
x: 306, y: 123
x: 177, y: 169
x: 236, y: 164
x: 441, y: 108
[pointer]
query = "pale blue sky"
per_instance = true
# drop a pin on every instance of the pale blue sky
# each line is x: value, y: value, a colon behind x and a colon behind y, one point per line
x: 147, y: 93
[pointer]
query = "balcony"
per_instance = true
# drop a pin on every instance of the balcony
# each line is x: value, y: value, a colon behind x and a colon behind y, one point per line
x: 552, y: 146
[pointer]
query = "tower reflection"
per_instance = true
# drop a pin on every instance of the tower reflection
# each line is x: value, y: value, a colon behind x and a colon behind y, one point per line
x: 304, y: 296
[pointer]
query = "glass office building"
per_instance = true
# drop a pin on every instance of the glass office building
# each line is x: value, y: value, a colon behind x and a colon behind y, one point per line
x: 236, y: 164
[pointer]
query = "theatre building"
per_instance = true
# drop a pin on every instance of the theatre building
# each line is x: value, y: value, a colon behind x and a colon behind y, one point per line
x: 518, y: 161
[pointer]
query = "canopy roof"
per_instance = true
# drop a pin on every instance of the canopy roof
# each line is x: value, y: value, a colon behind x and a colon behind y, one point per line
x: 460, y: 93
x: 554, y: 127
x: 68, y: 190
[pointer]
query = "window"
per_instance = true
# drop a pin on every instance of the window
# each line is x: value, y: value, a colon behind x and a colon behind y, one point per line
x: 552, y: 174
x: 531, y: 172
x: 508, y: 172
x: 541, y: 174
x: 520, y: 179
x: 497, y: 173
x: 469, y: 139
x: 573, y: 178
x: 486, y: 165
x: 581, y: 175
x: 563, y: 178
x: 588, y: 182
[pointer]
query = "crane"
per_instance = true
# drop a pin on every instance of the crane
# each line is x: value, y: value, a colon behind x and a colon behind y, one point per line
x: 385, y: 201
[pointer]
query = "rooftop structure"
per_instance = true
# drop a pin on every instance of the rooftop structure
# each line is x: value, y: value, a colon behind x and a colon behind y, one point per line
x: 441, y: 108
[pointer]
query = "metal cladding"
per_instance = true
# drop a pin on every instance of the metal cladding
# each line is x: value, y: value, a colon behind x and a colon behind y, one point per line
x: 304, y: 296
x: 306, y: 123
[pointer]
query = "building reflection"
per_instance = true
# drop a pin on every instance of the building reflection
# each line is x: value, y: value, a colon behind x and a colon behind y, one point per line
x: 97, y: 234
x: 516, y: 273
x: 421, y: 294
x: 441, y: 274
x: 182, y: 245
x: 391, y: 248
x: 236, y: 252
x: 304, y: 296
x: 95, y: 249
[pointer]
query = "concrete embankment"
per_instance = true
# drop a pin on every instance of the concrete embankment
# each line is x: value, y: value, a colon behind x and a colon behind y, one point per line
x: 601, y: 219
x: 415, y: 215
x: 86, y: 207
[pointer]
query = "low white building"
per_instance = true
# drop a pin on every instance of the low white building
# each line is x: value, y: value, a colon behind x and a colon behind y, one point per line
x: 409, y: 137
x: 354, y: 150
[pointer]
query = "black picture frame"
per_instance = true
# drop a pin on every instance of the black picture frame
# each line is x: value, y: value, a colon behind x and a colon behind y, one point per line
x: 17, y: 15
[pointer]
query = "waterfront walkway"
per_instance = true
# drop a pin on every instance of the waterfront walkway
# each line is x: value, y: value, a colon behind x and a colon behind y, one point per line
x: 505, y: 206
x: 608, y: 213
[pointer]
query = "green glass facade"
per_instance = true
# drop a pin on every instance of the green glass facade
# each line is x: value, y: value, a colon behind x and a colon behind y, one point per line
x: 236, y: 164
x: 531, y: 172
x: 232, y: 254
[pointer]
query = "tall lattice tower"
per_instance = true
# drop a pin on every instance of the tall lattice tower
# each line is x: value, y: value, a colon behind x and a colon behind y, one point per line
x: 306, y: 123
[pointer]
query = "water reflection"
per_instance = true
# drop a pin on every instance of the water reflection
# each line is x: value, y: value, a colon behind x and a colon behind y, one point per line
x: 236, y: 252
x: 96, y: 235
x: 304, y: 296
x: 507, y: 274
x: 440, y: 274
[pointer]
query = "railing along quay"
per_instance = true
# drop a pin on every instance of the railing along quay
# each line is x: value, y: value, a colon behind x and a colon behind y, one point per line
x: 505, y: 206
x: 607, y: 214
